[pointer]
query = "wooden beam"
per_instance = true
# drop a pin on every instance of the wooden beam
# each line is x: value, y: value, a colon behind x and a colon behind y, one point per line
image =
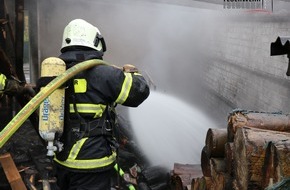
x: 11, y: 172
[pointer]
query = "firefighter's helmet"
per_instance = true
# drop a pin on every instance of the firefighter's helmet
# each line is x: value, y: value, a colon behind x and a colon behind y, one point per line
x: 83, y: 34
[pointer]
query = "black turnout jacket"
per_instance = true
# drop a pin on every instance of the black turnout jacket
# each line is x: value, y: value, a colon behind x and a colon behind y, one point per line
x: 88, y: 98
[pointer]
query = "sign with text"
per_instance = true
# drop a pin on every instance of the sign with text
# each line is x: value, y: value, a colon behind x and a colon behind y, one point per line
x: 248, y: 4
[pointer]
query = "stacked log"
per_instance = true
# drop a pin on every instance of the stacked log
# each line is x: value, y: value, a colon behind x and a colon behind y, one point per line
x: 268, y: 121
x: 183, y: 175
x: 251, y: 153
x: 277, y: 162
x: 213, y: 162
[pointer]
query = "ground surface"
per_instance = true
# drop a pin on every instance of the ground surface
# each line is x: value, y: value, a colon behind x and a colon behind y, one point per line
x: 29, y: 155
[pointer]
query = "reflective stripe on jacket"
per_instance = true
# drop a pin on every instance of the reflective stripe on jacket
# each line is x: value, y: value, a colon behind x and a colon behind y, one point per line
x: 2, y: 82
x: 73, y: 162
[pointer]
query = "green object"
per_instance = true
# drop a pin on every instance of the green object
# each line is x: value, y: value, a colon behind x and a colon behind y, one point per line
x: 131, y: 187
x: 121, y: 173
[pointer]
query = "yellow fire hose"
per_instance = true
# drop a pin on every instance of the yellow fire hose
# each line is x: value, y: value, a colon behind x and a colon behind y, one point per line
x: 34, y: 103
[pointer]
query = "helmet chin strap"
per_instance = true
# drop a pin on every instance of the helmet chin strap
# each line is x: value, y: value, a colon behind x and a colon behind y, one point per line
x: 99, y: 38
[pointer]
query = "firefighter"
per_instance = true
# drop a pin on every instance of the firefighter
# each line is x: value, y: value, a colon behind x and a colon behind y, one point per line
x: 13, y: 87
x: 89, y: 153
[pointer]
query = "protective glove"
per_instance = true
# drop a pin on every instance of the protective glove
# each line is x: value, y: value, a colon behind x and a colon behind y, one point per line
x: 14, y: 87
x: 28, y: 90
x: 130, y: 68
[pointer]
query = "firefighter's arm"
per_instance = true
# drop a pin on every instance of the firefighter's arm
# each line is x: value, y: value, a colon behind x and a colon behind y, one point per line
x: 139, y: 88
x: 13, y: 87
x: 122, y: 85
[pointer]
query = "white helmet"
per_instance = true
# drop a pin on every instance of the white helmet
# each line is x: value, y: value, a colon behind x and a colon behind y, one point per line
x: 81, y: 33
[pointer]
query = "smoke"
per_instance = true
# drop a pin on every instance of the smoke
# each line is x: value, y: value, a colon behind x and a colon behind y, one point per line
x: 168, y: 43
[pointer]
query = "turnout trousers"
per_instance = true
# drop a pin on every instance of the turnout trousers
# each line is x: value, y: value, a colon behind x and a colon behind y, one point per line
x: 68, y: 180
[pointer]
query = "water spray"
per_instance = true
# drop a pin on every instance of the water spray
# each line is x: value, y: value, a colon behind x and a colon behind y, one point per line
x: 169, y: 130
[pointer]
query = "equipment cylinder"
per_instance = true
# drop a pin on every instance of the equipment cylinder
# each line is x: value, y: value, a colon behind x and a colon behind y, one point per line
x: 51, y: 110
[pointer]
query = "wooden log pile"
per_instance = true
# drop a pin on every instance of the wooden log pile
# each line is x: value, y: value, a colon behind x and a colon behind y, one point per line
x: 252, y: 153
